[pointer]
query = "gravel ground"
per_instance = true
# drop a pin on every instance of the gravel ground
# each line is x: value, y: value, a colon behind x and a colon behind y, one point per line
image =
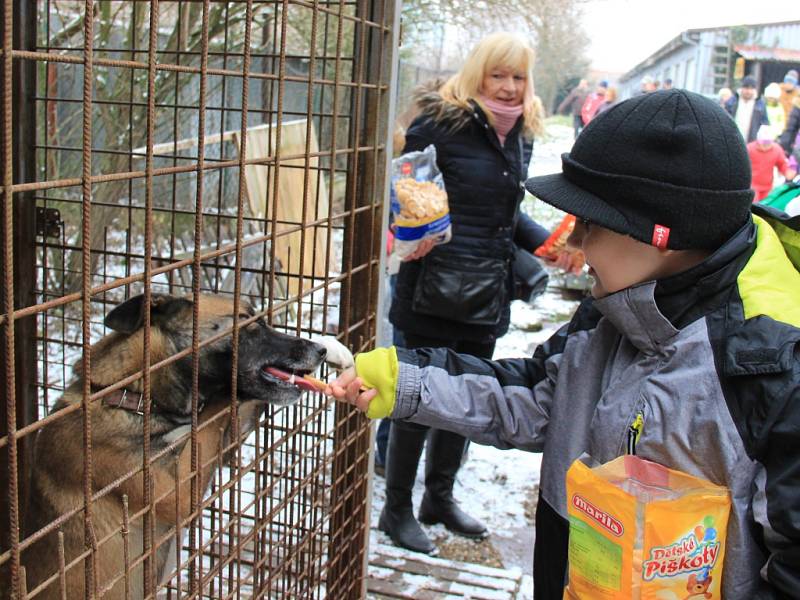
x: 480, y: 552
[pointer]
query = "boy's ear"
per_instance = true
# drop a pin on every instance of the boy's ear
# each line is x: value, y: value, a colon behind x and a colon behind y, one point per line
x: 129, y: 316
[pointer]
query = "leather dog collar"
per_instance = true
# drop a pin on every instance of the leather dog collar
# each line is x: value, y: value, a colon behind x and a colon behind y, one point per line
x: 126, y: 400
x: 130, y: 401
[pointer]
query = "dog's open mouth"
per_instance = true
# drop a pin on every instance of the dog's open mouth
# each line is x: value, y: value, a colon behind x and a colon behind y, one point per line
x: 296, y: 377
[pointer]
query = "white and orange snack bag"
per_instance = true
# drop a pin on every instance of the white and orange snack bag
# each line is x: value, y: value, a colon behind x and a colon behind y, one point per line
x: 419, y: 201
x: 639, y: 530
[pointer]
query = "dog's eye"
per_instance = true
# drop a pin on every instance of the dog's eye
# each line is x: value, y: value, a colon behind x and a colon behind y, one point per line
x: 243, y: 316
x: 215, y: 326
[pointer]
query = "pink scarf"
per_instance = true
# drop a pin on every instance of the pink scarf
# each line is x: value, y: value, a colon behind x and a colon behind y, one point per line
x: 505, y: 117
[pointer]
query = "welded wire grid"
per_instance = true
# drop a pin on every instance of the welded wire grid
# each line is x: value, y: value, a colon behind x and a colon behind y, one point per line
x: 183, y: 147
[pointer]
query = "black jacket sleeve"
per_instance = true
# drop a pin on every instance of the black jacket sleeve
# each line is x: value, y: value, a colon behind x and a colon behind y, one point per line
x: 792, y: 126
x: 781, y: 492
x: 420, y: 134
x: 529, y: 235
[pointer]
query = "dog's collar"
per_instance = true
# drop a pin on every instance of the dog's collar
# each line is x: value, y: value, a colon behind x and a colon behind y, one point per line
x: 130, y: 401
x: 126, y: 400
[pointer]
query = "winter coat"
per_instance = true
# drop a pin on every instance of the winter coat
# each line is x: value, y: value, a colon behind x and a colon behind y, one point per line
x: 789, y: 98
x: 441, y: 295
x: 573, y: 103
x: 777, y: 118
x: 787, y: 138
x: 590, y: 106
x: 604, y: 107
x: 708, y: 358
x: 758, y: 119
x: 763, y: 162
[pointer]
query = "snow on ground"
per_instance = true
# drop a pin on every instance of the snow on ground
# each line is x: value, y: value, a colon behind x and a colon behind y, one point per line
x: 495, y: 485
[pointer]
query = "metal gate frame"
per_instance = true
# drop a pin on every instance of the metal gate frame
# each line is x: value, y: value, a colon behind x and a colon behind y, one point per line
x: 366, y: 192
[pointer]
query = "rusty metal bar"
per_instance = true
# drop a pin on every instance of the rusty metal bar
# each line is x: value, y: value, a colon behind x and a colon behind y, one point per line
x: 235, y: 495
x: 194, y: 491
x: 17, y: 269
x: 148, y: 572
x: 11, y: 476
x: 341, y: 575
x: 127, y: 175
x: 90, y: 590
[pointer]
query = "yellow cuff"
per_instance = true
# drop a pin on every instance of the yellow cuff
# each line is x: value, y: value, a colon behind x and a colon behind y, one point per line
x: 378, y: 369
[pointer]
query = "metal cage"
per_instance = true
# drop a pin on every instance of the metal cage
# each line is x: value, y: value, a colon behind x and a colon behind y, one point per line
x: 186, y: 147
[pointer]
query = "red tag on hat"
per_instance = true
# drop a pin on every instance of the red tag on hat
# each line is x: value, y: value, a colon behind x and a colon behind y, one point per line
x: 660, y: 236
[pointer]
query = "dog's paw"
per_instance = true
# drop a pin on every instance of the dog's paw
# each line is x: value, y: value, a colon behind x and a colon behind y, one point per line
x: 338, y: 357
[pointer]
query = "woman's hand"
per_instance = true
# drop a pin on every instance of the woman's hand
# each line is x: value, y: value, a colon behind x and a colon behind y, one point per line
x: 571, y: 261
x: 425, y: 246
x: 347, y: 388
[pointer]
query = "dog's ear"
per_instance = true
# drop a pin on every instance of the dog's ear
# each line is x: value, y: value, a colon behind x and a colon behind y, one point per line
x: 129, y: 316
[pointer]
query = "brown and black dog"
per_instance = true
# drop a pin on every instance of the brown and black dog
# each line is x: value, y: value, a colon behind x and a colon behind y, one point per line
x: 117, y: 436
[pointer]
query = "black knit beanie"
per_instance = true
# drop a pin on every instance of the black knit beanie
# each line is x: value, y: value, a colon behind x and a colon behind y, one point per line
x: 668, y: 168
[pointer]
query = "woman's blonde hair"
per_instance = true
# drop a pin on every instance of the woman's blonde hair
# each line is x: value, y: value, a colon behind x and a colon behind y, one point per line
x: 497, y: 50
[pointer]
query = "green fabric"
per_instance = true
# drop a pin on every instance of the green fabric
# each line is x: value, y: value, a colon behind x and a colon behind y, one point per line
x: 378, y: 369
x: 781, y: 196
x: 770, y: 283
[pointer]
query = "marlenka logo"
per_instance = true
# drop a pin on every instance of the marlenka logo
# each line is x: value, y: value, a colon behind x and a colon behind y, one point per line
x: 660, y: 236
x: 602, y: 518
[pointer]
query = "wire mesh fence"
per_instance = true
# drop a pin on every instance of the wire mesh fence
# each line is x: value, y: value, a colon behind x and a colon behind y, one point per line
x: 191, y: 190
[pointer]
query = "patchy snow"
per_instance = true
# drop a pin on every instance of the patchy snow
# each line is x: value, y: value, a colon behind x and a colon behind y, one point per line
x: 495, y: 485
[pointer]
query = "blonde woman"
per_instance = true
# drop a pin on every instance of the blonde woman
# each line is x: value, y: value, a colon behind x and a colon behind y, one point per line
x: 482, y: 122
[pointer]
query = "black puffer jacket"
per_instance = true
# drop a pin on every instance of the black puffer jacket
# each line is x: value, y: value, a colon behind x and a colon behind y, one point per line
x: 484, y: 188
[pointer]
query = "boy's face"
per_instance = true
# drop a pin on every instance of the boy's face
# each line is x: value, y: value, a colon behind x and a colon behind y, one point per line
x: 618, y: 261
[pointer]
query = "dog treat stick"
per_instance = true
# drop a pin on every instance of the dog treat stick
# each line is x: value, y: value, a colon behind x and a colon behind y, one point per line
x: 317, y: 383
x: 321, y: 385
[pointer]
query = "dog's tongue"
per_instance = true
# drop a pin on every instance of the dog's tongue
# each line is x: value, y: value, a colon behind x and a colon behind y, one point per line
x: 298, y: 380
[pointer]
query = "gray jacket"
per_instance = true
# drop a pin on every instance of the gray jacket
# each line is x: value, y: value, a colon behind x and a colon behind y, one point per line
x: 708, y: 382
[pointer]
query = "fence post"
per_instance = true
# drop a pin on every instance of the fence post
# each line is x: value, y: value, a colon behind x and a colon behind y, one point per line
x: 17, y: 274
x: 363, y: 242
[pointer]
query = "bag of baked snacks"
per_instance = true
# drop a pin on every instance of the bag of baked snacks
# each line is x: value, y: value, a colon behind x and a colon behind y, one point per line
x: 419, y: 201
x: 642, y: 531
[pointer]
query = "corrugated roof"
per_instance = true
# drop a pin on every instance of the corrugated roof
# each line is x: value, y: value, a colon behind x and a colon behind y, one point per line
x: 691, y: 35
x: 753, y: 52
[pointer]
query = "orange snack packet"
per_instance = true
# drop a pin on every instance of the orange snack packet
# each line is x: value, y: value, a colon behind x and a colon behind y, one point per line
x: 639, y: 530
x: 557, y: 242
x: 555, y: 247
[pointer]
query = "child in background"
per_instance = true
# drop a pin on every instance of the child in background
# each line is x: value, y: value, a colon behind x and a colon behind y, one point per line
x: 766, y: 156
x: 775, y: 112
x: 685, y: 355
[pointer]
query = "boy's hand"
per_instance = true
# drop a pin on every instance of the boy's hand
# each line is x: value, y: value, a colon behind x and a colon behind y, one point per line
x: 372, y: 385
x: 347, y: 388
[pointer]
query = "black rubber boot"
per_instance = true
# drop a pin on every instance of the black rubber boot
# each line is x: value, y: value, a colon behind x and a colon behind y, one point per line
x: 397, y: 518
x: 442, y: 461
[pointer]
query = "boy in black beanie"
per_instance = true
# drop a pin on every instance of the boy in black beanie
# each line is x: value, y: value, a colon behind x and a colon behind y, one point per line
x: 685, y: 354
